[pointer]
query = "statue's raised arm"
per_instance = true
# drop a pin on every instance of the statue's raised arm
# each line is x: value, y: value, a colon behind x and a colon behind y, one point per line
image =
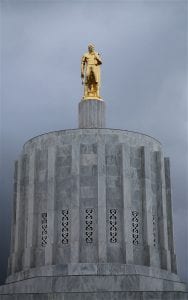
x: 90, y: 73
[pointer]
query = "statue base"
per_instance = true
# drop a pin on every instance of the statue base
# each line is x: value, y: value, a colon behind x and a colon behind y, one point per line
x: 92, y: 113
x: 91, y: 98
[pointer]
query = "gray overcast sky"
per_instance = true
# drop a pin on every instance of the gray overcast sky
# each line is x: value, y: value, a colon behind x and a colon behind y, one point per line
x: 143, y: 45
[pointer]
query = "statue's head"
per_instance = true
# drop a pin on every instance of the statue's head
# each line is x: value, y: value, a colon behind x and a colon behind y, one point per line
x: 91, y: 47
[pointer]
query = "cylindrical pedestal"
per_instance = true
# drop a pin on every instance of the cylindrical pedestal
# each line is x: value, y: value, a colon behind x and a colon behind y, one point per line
x: 92, y: 114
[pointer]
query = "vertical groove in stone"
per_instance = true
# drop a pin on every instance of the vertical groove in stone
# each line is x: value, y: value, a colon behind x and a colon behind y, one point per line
x: 169, y: 215
x: 162, y: 216
x: 101, y: 201
x: 91, y: 114
x: 75, y: 205
x: 126, y: 186
x: 149, y: 254
x: 30, y: 211
x: 49, y: 249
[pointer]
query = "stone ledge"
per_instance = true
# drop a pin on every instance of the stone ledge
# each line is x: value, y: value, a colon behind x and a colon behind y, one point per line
x: 91, y: 283
x: 141, y: 137
x: 93, y: 269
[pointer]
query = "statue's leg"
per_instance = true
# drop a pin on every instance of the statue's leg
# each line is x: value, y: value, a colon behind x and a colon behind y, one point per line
x: 92, y: 82
x: 84, y: 90
x: 92, y: 78
x: 86, y: 94
x: 87, y: 82
x: 94, y: 89
x: 96, y: 80
x: 85, y: 86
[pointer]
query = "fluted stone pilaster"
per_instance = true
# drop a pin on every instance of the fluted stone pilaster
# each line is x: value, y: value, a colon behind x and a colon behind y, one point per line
x: 151, y: 256
x: 162, y: 214
x: 13, y: 223
x: 102, y: 251
x: 127, y: 222
x: 75, y: 205
x: 30, y: 213
x: 169, y: 215
x: 49, y: 249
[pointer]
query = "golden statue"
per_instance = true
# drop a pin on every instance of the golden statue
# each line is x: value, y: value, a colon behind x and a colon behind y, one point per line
x: 90, y: 73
